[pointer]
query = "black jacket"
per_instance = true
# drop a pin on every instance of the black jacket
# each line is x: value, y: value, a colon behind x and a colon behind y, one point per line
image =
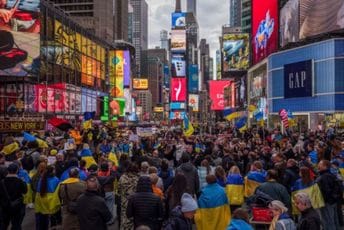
x: 326, y: 182
x: 310, y: 219
x: 145, y: 207
x: 191, y: 174
x: 15, y: 188
x: 177, y: 221
x: 92, y: 211
x: 276, y: 191
x: 291, y: 174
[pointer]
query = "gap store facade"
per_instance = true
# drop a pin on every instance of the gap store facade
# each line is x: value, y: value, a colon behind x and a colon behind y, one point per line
x: 309, y: 82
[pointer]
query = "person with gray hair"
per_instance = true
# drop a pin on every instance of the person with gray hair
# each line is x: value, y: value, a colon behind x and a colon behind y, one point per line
x: 310, y: 219
x: 281, y: 219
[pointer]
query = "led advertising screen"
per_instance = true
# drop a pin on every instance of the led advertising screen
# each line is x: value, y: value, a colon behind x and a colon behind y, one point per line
x: 264, y: 28
x: 116, y: 73
x: 193, y: 79
x: 178, y: 20
x: 320, y: 16
x: 177, y: 105
x: 88, y: 100
x: 236, y: 52
x: 140, y: 83
x: 178, y: 41
x: 194, y: 102
x: 177, y: 115
x: 289, y: 22
x: 50, y: 98
x: 178, y: 89
x: 126, y: 68
x: 19, y: 37
x: 216, y: 91
x: 167, y: 76
x: 178, y: 67
x: 90, y: 69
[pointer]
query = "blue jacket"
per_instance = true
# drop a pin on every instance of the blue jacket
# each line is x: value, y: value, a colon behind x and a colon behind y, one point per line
x: 238, y: 224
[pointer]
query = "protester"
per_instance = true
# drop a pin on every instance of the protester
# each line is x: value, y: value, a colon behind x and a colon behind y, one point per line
x: 239, y: 220
x: 281, y: 220
x: 190, y: 172
x: 235, y: 187
x: 166, y: 174
x: 144, y: 206
x: 221, y: 176
x: 91, y: 208
x: 156, y: 190
x: 175, y: 191
x: 310, y: 218
x: 204, y: 170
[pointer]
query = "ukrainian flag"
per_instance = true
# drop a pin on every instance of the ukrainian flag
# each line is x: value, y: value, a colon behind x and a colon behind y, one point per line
x: 235, y: 189
x: 230, y: 113
x: 50, y: 202
x: 213, y: 212
x: 313, y: 192
x: 251, y: 108
x: 86, y: 155
x: 113, y: 158
x: 241, y: 124
x: 11, y: 148
x: 199, y: 147
x: 188, y: 129
x: 87, y: 124
x: 252, y: 181
x: 24, y: 176
x: 42, y: 144
x: 65, y: 174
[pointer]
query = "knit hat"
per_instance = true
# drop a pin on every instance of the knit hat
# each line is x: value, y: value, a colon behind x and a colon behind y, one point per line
x: 188, y: 203
x: 53, y: 152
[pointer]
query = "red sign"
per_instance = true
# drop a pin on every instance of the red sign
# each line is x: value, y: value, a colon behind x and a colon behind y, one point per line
x: 264, y: 28
x: 50, y: 98
x: 178, y: 89
x: 216, y: 90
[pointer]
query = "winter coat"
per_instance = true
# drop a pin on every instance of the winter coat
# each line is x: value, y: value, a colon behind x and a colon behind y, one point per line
x: 92, y: 211
x: 326, y: 182
x: 310, y: 219
x: 177, y: 221
x: 167, y: 178
x: 191, y: 174
x: 276, y: 191
x: 75, y: 188
x: 238, y: 224
x: 291, y: 174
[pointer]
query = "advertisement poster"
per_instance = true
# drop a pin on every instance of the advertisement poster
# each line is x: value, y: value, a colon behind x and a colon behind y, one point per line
x: 117, y: 89
x: 264, y: 28
x: 289, y: 22
x: 178, y: 67
x: 178, y: 40
x: 193, y: 79
x: 194, y: 102
x: 140, y: 83
x: 236, y: 52
x: 177, y: 115
x: 90, y: 69
x: 51, y: 98
x: 116, y: 69
x: 177, y: 105
x: 126, y: 68
x: 216, y: 91
x: 178, y: 20
x: 19, y: 37
x: 320, y: 16
x: 13, y: 98
x: 167, y: 76
x: 178, y: 89
x: 88, y: 100
x: 258, y: 85
x: 73, y: 99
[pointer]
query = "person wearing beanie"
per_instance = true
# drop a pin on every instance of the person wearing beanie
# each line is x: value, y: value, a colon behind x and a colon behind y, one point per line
x: 181, y: 216
x: 144, y: 206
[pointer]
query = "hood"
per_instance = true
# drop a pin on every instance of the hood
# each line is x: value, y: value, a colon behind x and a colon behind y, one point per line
x: 144, y: 184
x: 177, y: 212
x: 237, y: 224
x: 187, y: 167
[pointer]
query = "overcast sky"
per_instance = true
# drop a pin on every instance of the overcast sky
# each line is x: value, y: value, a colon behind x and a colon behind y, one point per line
x: 211, y: 16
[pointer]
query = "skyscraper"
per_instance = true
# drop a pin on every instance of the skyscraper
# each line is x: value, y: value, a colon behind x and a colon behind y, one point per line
x: 140, y: 30
x: 234, y: 13
x: 191, y: 7
x: 164, y: 39
x: 246, y: 16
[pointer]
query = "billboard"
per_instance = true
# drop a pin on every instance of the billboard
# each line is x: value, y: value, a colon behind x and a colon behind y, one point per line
x: 236, y: 52
x: 90, y: 69
x: 140, y: 83
x: 167, y: 76
x: 320, y: 16
x: 264, y: 28
x: 19, y: 37
x: 178, y: 41
x: 194, y: 102
x: 289, y: 22
x: 177, y: 115
x: 177, y: 105
x: 298, y: 79
x: 258, y: 85
x: 126, y: 68
x: 178, y: 20
x: 193, y: 79
x: 178, y: 67
x: 216, y: 91
x: 116, y: 73
x: 178, y: 89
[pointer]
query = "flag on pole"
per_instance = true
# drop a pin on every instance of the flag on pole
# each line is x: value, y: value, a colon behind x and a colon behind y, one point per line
x: 187, y: 126
x: 284, y: 117
x: 230, y: 113
x: 241, y: 124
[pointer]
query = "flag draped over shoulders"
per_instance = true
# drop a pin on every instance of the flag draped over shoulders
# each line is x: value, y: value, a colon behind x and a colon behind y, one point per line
x: 314, y: 194
x: 252, y: 181
x: 48, y: 203
x: 86, y: 155
x: 235, y: 189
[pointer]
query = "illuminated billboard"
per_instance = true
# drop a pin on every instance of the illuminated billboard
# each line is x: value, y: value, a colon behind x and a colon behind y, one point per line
x: 178, y: 20
x: 177, y: 105
x: 178, y: 89
x: 194, y: 102
x: 320, y: 16
x: 126, y: 68
x: 19, y: 37
x: 178, y: 67
x: 178, y: 40
x: 289, y: 22
x: 116, y: 73
x: 264, y: 28
x: 90, y: 69
x: 216, y: 91
x: 177, y: 115
x: 236, y: 52
x: 193, y: 79
x: 140, y: 83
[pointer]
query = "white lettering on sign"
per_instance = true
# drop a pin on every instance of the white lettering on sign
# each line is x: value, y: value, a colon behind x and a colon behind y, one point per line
x: 297, y: 80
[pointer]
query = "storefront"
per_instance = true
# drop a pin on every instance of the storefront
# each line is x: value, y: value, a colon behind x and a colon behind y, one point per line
x: 308, y: 81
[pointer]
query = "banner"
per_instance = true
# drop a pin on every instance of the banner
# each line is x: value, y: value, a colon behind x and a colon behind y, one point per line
x: 298, y: 79
x: 140, y: 83
x: 216, y: 91
x: 167, y: 76
x: 50, y: 98
x: 178, y: 89
x: 236, y: 52
x: 178, y: 40
x: 177, y: 115
x: 194, y: 102
x: 178, y: 67
x: 177, y: 105
x: 117, y: 90
x: 20, y: 126
x: 193, y: 79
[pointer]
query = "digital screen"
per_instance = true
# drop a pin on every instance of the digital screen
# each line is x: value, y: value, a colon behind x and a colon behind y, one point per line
x: 236, y: 52
x: 178, y: 20
x: 193, y: 79
x: 178, y: 89
x: 140, y: 83
x: 216, y: 91
x: 289, y: 22
x: 178, y: 40
x: 194, y: 102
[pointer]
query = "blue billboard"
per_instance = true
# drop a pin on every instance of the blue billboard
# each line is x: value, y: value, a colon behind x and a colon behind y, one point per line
x: 166, y: 76
x: 178, y: 20
x: 193, y: 79
x: 177, y: 105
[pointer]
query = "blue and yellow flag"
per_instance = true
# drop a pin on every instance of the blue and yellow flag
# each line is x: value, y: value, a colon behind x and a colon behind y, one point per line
x: 87, y: 124
x: 314, y: 194
x: 86, y: 155
x: 22, y: 174
x: 252, y: 181
x: 230, y: 113
x: 241, y: 124
x: 11, y: 148
x: 188, y: 129
x: 113, y: 158
x: 42, y: 144
x: 28, y: 137
x: 251, y: 108
x: 235, y: 189
x: 49, y: 203
x: 213, y: 212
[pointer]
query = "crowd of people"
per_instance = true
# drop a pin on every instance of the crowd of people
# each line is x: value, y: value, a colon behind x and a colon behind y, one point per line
x: 95, y: 178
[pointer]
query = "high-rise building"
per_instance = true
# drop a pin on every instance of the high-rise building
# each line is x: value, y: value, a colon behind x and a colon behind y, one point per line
x: 121, y: 20
x: 218, y: 64
x: 164, y: 39
x: 246, y: 16
x: 130, y: 22
x: 140, y: 30
x: 234, y: 13
x: 144, y: 97
x: 204, y: 63
x: 191, y: 7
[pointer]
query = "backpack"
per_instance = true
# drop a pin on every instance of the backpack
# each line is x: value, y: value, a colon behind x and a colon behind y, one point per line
x: 337, y: 191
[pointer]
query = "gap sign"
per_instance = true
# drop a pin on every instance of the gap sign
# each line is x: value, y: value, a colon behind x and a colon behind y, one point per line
x: 298, y: 79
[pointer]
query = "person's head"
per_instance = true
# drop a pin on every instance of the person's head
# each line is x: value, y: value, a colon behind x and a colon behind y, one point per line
x: 155, y: 153
x: 302, y: 201
x: 82, y: 163
x: 205, y: 163
x: 234, y: 170
x: 13, y: 168
x: 211, y: 179
x: 2, y: 159
x: 74, y: 172
x: 60, y: 157
x: 93, y: 169
x: 164, y: 165
x: 305, y: 175
x: 257, y: 166
x: 241, y: 214
x: 152, y: 169
x: 92, y: 183
x: 131, y: 168
x: 144, y: 184
x: 220, y: 172
x: 144, y: 167
x: 41, y: 168
x: 185, y: 157
x: 73, y: 162
x: 272, y: 175
x: 104, y: 167
x: 188, y: 206
x: 291, y: 163
x: 143, y: 227
x: 277, y: 208
x: 324, y: 165
x: 154, y: 178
